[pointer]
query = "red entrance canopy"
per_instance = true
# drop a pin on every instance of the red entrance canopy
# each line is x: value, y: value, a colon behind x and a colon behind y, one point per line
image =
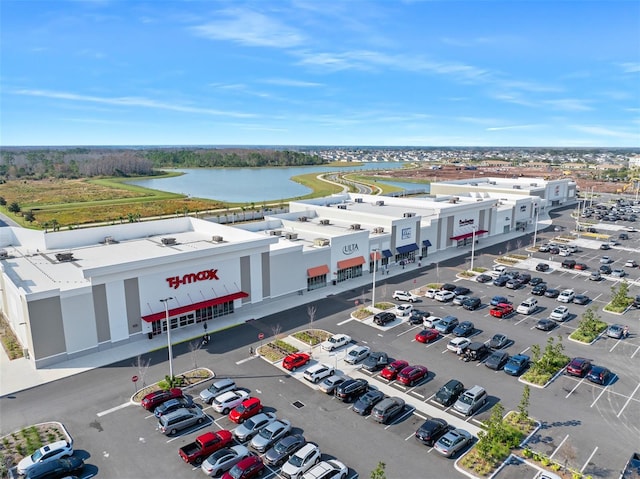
x: 350, y: 263
x: 318, y: 271
x: 151, y: 318
x: 468, y: 235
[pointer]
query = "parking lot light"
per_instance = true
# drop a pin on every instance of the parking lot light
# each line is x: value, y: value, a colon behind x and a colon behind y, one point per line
x: 166, y: 315
x: 473, y: 244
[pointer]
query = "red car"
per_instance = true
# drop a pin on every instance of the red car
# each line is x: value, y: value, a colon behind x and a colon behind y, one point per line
x: 391, y: 371
x: 427, y: 335
x: 295, y: 360
x: 251, y: 466
x: 580, y: 266
x: 579, y: 367
x: 412, y: 374
x: 247, y: 408
x: 501, y: 310
x: 154, y: 399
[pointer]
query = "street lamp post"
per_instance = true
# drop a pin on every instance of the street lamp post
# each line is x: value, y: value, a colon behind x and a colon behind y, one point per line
x: 166, y: 315
x: 473, y: 244
x: 535, y: 227
x: 591, y: 199
x: 373, y: 290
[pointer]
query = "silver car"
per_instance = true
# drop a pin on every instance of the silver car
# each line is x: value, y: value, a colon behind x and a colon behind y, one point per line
x: 452, y: 442
x: 331, y: 383
x: 270, y: 434
x: 252, y: 426
x: 224, y: 459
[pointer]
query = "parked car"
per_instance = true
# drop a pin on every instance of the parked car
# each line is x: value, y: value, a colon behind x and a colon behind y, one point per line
x: 365, y: 403
x: 411, y: 375
x: 401, y: 310
x: 224, y: 459
x: 618, y: 273
x: 539, y: 289
x: 496, y: 300
x: 501, y: 280
x: 249, y: 467
x: 464, y: 329
x: 578, y: 367
x: 458, y: 345
x: 295, y: 360
x: 595, y: 276
x: 173, y: 404
x: 535, y: 281
x: 605, y: 246
x: 615, y: 331
x: 631, y: 264
x: 331, y: 468
x: 351, y: 389
x: 472, y: 303
x: 501, y: 310
x: 218, y: 387
x: 517, y: 364
x: 546, y: 324
x: 446, y: 324
x: 387, y: 409
x: 61, y: 467
x: 471, y: 401
x: 427, y: 335
x: 154, y: 399
x: 205, y: 445
x: 483, y: 278
x: 605, y: 269
x: 542, y: 267
x: 330, y: 384
x: 528, y: 306
x: 180, y: 419
x: 405, y: 296
x: 448, y: 394
x: 453, y: 442
x: 580, y: 266
x: 566, y: 296
x: 336, y: 341
x: 225, y: 402
x: 245, y: 431
x: 476, y: 351
x: 551, y: 293
x: 568, y: 263
x: 448, y: 287
x: 636, y: 302
x: 543, y: 248
x: 384, y: 317
x: 581, y: 299
x: 270, y: 434
x: 49, y: 452
x: 498, y: 341
x: 461, y: 291
x: 600, y: 375
x: 431, y: 430
x: 514, y: 284
x: 444, y: 296
x: 301, y: 461
x: 497, y: 360
x: 431, y: 293
x: 357, y: 354
x: 376, y: 360
x: 317, y: 372
x: 606, y: 260
x: 246, y: 409
x: 283, y: 449
x: 458, y: 300
x: 561, y: 313
x: 391, y: 371
x: 431, y: 321
x: 417, y: 316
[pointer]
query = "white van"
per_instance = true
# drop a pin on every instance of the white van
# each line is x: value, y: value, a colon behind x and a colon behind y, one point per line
x: 528, y: 306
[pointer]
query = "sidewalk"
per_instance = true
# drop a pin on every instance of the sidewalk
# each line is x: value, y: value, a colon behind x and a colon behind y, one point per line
x: 18, y: 374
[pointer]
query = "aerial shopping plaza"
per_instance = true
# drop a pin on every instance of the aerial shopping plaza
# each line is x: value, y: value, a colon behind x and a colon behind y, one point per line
x: 70, y: 293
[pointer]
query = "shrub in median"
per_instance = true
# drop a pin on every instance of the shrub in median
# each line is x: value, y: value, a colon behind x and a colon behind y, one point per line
x: 546, y: 365
x: 589, y: 328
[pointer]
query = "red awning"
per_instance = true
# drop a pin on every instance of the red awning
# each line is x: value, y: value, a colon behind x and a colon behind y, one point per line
x: 151, y: 318
x: 376, y: 255
x: 350, y: 263
x: 468, y: 235
x: 318, y: 271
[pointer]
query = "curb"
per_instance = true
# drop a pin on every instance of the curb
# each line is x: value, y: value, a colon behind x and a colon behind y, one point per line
x: 213, y: 375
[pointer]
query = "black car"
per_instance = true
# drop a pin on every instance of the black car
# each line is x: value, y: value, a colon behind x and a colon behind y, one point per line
x: 636, y: 302
x: 471, y: 304
x: 536, y: 281
x: 483, y: 278
x: 432, y: 430
x: 542, y: 267
x: 498, y: 341
x: 461, y: 291
x: 501, y: 280
x: 55, y: 468
x: 581, y: 299
x: 497, y: 360
x: 448, y: 287
x: 448, y: 394
x: 546, y: 324
x: 351, y: 389
x: 539, y: 289
x: 375, y: 361
x: 383, y: 318
x: 554, y: 250
x: 524, y: 278
x: 605, y: 269
x: 284, y: 448
x: 365, y: 403
x: 417, y: 316
x: 464, y: 329
x: 552, y: 293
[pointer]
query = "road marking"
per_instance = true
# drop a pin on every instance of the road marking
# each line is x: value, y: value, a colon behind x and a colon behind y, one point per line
x: 114, y: 409
x: 523, y: 319
x: 559, y: 446
x: 614, y: 345
x: 604, y: 388
x: 418, y: 394
x: 637, y: 349
x: 524, y: 350
x: 242, y: 361
x: 405, y: 332
x: 589, y: 460
x: 628, y: 400
x: 344, y: 322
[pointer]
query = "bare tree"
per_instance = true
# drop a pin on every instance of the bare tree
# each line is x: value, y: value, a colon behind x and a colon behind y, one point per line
x: 508, y: 247
x: 194, y: 347
x: 311, y: 312
x: 519, y: 244
x: 276, y: 329
x: 143, y: 368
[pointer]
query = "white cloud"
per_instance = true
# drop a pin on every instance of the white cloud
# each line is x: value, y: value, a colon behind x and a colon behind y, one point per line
x: 292, y: 83
x: 250, y: 28
x: 513, y: 127
x: 602, y: 131
x: 630, y: 67
x: 569, y: 104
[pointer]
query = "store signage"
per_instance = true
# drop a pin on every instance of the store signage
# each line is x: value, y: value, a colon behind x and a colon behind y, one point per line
x: 523, y: 208
x: 207, y: 274
x: 405, y: 233
x: 350, y: 249
x: 465, y: 222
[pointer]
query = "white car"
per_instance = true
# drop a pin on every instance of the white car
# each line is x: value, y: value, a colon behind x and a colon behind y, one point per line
x: 630, y: 264
x: 561, y: 313
x: 301, y: 461
x: 528, y: 306
x: 318, y: 372
x: 46, y: 453
x: 430, y: 321
x: 431, y: 293
x: 566, y: 296
x: 327, y: 469
x: 500, y: 268
x: 444, y: 296
x: 606, y: 260
x: 565, y: 252
x: 458, y: 345
x: 357, y: 354
x: 618, y: 273
x: 571, y: 247
x: 336, y: 341
x: 403, y: 310
x: 405, y: 296
x: 225, y: 402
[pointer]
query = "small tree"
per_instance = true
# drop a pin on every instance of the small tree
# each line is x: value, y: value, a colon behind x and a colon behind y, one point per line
x: 379, y: 471
x: 29, y: 216
x: 523, y: 407
x: 14, y: 207
x: 142, y: 367
x: 3, y: 201
x: 619, y: 294
x: 194, y: 347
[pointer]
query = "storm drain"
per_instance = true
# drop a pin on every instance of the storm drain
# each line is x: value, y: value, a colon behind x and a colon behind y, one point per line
x: 298, y: 404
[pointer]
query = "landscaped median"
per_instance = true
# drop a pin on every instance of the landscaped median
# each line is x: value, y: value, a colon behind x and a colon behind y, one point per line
x: 589, y: 328
x: 620, y: 299
x: 545, y: 366
x: 185, y: 380
x: 277, y: 349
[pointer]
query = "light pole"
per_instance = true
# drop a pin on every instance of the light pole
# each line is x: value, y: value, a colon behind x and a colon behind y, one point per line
x: 535, y: 227
x: 166, y: 315
x: 473, y: 244
x: 373, y: 290
x: 591, y: 199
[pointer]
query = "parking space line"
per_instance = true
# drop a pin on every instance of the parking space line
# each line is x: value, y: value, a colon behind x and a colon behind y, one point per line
x: 559, y: 446
x: 604, y: 388
x: 420, y: 416
x: 523, y: 319
x: 614, y: 346
x: 589, y: 460
x: 344, y: 322
x: 635, y: 352
x: 399, y: 419
x: 524, y: 350
x: 113, y: 409
x: 628, y: 400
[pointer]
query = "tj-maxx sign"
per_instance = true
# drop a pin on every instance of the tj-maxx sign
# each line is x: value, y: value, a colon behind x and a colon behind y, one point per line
x: 205, y: 275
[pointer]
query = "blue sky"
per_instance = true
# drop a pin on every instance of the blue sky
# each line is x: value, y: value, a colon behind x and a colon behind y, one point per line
x: 320, y: 72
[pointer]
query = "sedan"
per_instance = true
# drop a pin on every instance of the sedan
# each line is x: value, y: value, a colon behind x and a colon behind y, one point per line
x: 600, y: 375
x: 497, y: 360
x: 417, y: 316
x: 270, y: 434
x: 618, y: 273
x: 483, y: 278
x: 514, y: 284
x: 154, y: 399
x: 581, y: 299
x: 448, y: 287
x: 427, y: 335
x: 496, y: 300
x: 357, y: 354
x: 330, y: 384
x: 517, y: 364
x: 580, y: 266
x: 464, y: 329
x: 615, y: 331
x: 412, y: 374
x: 539, y: 289
x: 606, y: 260
x: 251, y: 466
x: 501, y: 280
x: 561, y: 313
x: 605, y: 269
x: 546, y: 324
x: 444, y: 296
x: 472, y: 303
x: 542, y: 267
x: 432, y: 430
x: 605, y: 246
x: 446, y: 324
x: 536, y: 281
x: 295, y: 360
x: 61, y: 467
x: 461, y: 291
x: 630, y: 264
x: 452, y: 442
x: 251, y: 426
x: 458, y: 300
x: 172, y: 405
x: 224, y: 459
x: 578, y: 367
x: 458, y: 345
x: 392, y: 370
x: 498, y: 341
x: 365, y: 403
x: 551, y: 293
x: 284, y: 448
x: 501, y: 310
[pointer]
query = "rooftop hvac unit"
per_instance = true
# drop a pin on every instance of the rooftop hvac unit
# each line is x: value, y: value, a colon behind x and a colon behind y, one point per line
x: 321, y: 242
x: 380, y: 203
x: 275, y: 233
x: 217, y: 239
x: 354, y: 226
x: 291, y: 236
x: 358, y: 200
x: 378, y: 230
x: 62, y: 257
x: 492, y: 182
x: 409, y: 215
x: 302, y: 219
x: 3, y: 254
x: 324, y: 222
x: 109, y: 240
x: 533, y: 184
x: 169, y: 241
x: 516, y: 187
x: 342, y: 207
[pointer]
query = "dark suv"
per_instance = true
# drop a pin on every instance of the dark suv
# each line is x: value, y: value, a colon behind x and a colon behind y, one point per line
x: 471, y: 304
x: 569, y: 263
x: 448, y: 394
x: 383, y: 318
x: 351, y: 389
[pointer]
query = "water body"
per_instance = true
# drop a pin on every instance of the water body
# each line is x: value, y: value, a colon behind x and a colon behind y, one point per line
x: 408, y: 186
x: 246, y: 185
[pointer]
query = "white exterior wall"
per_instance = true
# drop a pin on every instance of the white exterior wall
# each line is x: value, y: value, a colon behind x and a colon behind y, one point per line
x: 15, y: 311
x: 78, y: 320
x: 286, y: 275
x: 117, y: 311
x: 406, y: 231
x: 350, y: 246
